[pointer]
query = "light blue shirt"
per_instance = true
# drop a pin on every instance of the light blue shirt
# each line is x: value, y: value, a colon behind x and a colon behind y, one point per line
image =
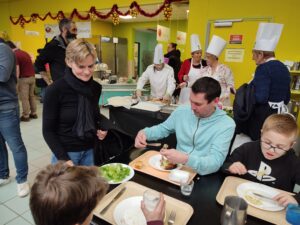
x: 205, y: 140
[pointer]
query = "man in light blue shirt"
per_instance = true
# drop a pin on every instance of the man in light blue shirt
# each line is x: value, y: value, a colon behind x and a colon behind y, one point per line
x: 203, y: 131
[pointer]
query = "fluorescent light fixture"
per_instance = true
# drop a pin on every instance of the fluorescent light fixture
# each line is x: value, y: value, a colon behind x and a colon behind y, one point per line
x: 128, y: 17
x: 228, y: 20
x: 223, y: 24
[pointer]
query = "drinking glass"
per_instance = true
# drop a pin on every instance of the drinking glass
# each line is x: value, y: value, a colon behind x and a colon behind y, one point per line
x: 151, y: 199
x: 186, y: 187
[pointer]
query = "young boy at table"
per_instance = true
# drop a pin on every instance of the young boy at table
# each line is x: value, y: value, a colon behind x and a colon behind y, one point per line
x: 67, y: 195
x: 270, y: 160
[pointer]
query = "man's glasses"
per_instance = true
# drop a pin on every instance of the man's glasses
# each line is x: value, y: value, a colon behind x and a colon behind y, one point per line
x: 274, y: 149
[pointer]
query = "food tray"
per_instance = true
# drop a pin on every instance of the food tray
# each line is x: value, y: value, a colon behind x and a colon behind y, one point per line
x: 183, y: 210
x: 164, y: 175
x: 229, y: 188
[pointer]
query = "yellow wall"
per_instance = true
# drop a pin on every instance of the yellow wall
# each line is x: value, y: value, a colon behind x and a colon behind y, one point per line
x: 282, y: 12
x: 200, y: 12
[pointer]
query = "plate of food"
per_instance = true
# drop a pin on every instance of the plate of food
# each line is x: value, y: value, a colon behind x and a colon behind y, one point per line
x: 116, y: 173
x: 128, y: 212
x: 161, y: 163
x: 259, y: 196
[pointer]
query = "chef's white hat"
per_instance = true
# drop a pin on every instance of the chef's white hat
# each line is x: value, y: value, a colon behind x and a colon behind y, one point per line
x: 267, y: 36
x: 195, y: 43
x: 216, y: 45
x: 158, y: 54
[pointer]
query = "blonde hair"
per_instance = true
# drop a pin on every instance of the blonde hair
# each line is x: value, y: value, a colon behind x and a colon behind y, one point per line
x: 281, y: 123
x: 78, y: 50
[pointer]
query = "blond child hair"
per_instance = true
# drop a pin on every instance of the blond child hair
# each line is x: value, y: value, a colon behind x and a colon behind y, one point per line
x: 284, y: 124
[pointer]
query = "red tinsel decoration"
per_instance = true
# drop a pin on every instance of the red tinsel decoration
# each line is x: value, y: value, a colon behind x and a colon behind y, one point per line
x: 95, y: 14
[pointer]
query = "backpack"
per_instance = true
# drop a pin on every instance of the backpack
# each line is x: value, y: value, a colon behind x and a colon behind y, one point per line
x: 244, y: 103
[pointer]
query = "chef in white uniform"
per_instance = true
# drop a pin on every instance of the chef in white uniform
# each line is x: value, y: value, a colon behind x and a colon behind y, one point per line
x: 190, y: 70
x: 160, y: 76
x: 217, y: 70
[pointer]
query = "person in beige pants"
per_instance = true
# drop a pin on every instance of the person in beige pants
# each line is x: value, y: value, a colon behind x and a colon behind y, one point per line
x: 26, y: 83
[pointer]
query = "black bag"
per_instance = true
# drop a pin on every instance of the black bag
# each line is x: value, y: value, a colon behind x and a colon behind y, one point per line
x: 244, y: 103
x: 113, y: 144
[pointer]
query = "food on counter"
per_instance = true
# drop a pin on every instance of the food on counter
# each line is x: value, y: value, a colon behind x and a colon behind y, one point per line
x: 130, y: 81
x: 157, y: 100
x: 138, y: 165
x: 114, y: 172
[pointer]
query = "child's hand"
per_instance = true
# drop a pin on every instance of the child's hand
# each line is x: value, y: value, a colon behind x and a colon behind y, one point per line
x: 237, y: 168
x: 284, y: 199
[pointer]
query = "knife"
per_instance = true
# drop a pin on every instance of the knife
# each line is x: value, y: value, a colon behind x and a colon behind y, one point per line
x: 264, y: 197
x: 154, y: 144
x: 112, y: 201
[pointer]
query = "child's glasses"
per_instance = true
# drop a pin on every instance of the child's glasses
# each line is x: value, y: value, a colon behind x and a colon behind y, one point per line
x: 275, y: 149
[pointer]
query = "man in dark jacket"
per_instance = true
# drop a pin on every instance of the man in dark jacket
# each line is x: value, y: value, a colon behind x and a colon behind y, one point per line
x: 54, y: 52
x: 173, y: 57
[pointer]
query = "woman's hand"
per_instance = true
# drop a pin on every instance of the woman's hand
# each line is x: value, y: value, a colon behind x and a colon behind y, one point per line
x: 101, y: 134
x: 185, y: 78
x: 182, y: 85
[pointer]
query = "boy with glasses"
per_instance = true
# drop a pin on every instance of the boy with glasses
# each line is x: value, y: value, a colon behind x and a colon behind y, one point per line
x: 270, y: 160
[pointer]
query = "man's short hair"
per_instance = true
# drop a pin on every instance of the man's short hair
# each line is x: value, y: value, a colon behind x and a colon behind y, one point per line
x: 65, y: 195
x: 11, y: 44
x: 284, y: 124
x: 209, y: 86
x: 65, y: 23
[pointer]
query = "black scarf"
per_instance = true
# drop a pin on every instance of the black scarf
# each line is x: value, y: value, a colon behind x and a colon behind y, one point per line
x: 84, y: 126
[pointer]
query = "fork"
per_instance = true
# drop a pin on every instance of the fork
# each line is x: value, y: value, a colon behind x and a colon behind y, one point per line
x: 171, y: 219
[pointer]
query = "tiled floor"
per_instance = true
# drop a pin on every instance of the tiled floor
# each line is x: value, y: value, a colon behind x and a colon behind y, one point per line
x: 15, y: 210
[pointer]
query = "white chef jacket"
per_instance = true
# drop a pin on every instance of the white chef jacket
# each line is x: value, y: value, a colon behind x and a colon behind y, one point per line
x: 161, y: 82
x: 224, y: 75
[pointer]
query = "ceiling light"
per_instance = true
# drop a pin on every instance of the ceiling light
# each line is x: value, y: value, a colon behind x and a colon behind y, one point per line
x: 223, y: 24
x: 128, y: 17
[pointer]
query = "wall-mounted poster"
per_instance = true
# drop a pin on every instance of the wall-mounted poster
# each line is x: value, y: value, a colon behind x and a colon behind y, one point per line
x: 235, y: 39
x: 162, y: 33
x: 234, y: 55
x: 181, y: 38
x: 84, y: 29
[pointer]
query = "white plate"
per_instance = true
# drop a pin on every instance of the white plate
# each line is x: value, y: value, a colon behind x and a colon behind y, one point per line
x: 154, y: 161
x: 131, y: 173
x: 245, y: 191
x: 128, y: 212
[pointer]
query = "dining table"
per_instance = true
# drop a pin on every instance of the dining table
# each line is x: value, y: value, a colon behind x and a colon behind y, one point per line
x: 207, y: 210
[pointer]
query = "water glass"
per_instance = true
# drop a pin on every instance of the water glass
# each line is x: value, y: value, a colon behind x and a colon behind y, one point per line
x: 186, y: 187
x: 151, y: 199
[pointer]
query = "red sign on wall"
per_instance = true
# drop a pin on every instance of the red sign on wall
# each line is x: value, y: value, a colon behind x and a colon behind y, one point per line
x: 235, y: 39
